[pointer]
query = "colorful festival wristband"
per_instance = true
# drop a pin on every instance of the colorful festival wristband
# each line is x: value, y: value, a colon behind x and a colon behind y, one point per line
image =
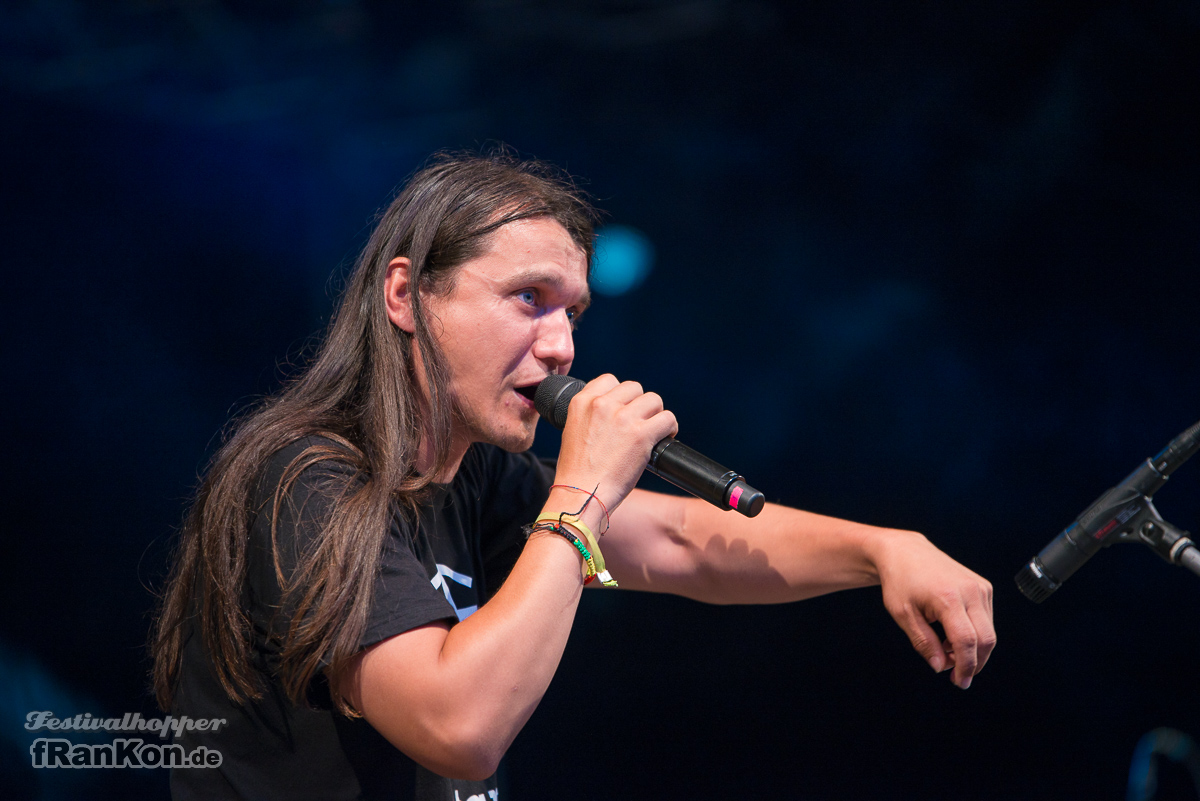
x: 601, y: 571
x: 550, y: 524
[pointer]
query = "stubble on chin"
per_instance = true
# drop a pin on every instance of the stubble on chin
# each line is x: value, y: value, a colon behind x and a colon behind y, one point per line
x: 514, y: 445
x: 519, y: 440
x: 514, y: 440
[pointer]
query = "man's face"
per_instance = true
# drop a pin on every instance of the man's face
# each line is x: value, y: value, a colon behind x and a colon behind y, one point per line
x: 506, y: 324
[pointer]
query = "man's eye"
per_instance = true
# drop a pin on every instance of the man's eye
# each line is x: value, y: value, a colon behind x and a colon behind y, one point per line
x: 528, y: 296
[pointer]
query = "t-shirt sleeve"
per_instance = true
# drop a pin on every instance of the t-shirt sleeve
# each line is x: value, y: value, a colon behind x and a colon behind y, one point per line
x: 404, y: 597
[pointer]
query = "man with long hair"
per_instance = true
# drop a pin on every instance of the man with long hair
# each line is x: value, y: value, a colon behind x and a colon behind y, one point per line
x: 376, y: 580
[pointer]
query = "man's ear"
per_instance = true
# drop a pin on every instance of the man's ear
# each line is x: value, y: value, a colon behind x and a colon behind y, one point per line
x: 396, y: 294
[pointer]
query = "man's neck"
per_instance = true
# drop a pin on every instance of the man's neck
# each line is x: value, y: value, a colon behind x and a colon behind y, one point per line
x: 458, y: 449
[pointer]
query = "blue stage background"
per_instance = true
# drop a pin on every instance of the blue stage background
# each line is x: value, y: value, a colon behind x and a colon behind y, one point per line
x: 931, y: 266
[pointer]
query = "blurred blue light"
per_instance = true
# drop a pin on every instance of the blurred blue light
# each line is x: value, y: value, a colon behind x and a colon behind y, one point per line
x: 1143, y: 772
x: 623, y: 259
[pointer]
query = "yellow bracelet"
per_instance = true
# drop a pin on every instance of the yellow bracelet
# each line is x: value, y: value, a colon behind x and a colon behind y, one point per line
x: 601, y: 572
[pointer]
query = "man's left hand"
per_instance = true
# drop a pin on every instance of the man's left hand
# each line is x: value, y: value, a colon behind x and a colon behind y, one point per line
x: 921, y: 586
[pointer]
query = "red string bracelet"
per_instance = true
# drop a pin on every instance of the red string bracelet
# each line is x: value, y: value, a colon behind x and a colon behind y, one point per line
x: 607, y: 519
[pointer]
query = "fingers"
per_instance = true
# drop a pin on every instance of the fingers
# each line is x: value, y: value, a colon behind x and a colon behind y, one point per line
x: 923, y: 638
x: 979, y: 610
x: 964, y: 641
x: 597, y: 386
x: 970, y: 633
x: 628, y: 400
x: 981, y: 618
x: 649, y: 407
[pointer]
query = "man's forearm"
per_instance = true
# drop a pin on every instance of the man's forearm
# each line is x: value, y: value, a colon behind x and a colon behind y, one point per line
x: 688, y: 547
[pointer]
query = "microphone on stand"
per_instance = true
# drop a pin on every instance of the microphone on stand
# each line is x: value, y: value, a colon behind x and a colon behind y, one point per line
x: 670, y: 459
x: 1123, y: 514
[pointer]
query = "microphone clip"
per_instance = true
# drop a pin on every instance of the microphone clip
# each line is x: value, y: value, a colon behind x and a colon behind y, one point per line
x: 1170, y: 542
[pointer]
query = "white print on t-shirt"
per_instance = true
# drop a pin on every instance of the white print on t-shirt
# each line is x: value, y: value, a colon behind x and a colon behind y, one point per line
x: 439, y: 583
x: 492, y: 794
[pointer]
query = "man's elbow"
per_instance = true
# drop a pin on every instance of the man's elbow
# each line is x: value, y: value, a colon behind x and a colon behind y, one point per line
x: 474, y: 762
x: 469, y: 752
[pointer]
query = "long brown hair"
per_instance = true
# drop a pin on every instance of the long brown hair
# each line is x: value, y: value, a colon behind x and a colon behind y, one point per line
x: 358, y: 391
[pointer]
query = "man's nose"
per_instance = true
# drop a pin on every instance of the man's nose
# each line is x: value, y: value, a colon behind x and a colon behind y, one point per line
x: 555, y: 343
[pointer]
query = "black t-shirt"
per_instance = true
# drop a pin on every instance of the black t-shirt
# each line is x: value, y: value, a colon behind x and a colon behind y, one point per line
x: 467, y: 539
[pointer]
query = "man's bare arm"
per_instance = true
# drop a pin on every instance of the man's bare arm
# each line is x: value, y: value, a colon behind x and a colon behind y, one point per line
x: 687, y: 547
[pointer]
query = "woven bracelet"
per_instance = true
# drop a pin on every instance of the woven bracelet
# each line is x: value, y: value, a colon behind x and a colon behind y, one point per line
x: 601, y: 570
x: 549, y: 524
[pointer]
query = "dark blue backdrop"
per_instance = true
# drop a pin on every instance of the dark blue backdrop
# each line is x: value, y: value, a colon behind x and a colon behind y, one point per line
x: 923, y: 265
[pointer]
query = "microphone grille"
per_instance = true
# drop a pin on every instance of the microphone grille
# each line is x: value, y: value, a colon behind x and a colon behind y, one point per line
x: 553, y: 396
x: 1034, y: 584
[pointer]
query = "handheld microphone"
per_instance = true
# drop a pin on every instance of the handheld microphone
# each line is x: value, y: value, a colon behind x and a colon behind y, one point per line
x: 670, y: 459
x: 1124, y: 513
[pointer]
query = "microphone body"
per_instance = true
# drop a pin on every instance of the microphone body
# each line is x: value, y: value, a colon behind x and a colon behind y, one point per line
x: 1090, y: 532
x: 670, y: 459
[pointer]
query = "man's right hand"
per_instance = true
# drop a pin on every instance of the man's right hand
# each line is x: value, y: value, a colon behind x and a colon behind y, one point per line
x: 612, y: 426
